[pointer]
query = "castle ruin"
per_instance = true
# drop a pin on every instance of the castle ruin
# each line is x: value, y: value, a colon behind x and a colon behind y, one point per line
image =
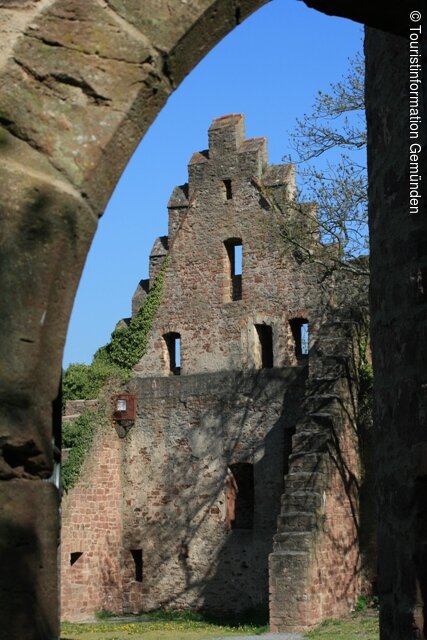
x: 238, y: 482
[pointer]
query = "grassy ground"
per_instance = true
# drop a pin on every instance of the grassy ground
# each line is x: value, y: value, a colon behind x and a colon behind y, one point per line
x: 151, y: 631
x: 361, y: 626
x: 161, y: 626
x: 175, y: 626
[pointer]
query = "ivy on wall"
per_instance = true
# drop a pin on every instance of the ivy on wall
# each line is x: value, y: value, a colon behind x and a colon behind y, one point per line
x: 84, y: 381
x: 129, y: 344
x: 116, y: 359
x: 77, y: 435
x: 111, y: 367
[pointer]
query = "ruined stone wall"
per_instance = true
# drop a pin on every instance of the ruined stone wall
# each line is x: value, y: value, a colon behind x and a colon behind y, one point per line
x: 226, y: 405
x: 75, y: 408
x: 217, y: 332
x: 92, y: 526
x: 55, y: 187
x: 316, y: 568
x: 188, y: 433
x: 161, y: 492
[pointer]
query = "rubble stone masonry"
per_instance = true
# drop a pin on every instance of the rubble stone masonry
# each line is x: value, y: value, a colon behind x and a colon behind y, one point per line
x: 237, y: 483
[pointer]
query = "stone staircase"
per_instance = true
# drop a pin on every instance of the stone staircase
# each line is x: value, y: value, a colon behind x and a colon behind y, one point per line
x: 296, y: 597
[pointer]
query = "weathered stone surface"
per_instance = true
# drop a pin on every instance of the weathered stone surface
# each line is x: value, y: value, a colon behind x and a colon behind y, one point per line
x: 229, y: 406
x: 28, y: 545
x: 399, y: 333
x: 77, y: 88
x: 217, y: 332
x: 316, y: 559
x: 400, y: 280
x: 43, y: 222
x: 92, y: 581
x: 139, y: 295
x: 168, y: 477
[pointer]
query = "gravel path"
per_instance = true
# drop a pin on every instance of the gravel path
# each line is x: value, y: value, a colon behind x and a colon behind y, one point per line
x: 266, y: 636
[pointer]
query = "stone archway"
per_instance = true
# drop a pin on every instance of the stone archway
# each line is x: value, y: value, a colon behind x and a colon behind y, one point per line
x: 80, y: 85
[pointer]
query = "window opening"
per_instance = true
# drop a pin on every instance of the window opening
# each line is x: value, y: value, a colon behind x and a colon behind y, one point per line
x: 304, y: 339
x: 228, y: 190
x: 265, y: 337
x: 138, y: 562
x: 300, y: 333
x: 235, y: 255
x: 238, y: 259
x: 240, y: 496
x: 74, y: 556
x: 173, y: 343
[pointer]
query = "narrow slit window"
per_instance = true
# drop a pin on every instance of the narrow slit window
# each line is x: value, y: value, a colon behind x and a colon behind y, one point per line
x: 304, y: 339
x: 173, y: 344
x: 178, y: 353
x: 228, y: 190
x: 300, y: 333
x: 265, y: 346
x: 138, y: 563
x: 238, y: 259
x: 235, y: 256
x: 240, y: 487
x: 74, y: 556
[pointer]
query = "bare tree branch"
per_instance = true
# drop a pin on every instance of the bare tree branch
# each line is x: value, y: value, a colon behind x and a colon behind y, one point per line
x: 335, y: 130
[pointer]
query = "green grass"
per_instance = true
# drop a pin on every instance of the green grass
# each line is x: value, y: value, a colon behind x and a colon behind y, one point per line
x: 176, y: 625
x: 361, y: 626
x: 160, y: 625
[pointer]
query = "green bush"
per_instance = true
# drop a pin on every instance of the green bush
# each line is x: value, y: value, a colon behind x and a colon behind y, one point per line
x: 111, y: 366
x: 84, y: 381
x: 104, y: 614
x: 361, y: 603
x: 116, y: 359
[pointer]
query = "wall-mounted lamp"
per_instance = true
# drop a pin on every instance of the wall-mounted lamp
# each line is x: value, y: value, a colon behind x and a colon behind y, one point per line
x: 124, y: 409
x: 121, y: 405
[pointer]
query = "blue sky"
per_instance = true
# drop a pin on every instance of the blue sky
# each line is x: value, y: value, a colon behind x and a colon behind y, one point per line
x: 269, y: 68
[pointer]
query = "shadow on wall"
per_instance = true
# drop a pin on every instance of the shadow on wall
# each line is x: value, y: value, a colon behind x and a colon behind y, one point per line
x: 23, y: 606
x: 195, y: 557
x: 238, y: 582
x: 321, y: 505
x: 355, y: 472
x: 193, y: 429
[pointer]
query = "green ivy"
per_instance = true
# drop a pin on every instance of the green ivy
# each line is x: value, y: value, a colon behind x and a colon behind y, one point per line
x: 116, y: 359
x: 111, y: 364
x: 129, y: 344
x: 84, y: 381
x: 77, y: 435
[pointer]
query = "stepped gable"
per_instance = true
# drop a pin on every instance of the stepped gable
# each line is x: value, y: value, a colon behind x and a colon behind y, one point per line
x: 237, y: 481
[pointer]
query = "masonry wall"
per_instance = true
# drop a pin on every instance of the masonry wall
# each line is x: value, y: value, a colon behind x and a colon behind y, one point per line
x: 162, y: 491
x: 187, y: 435
x: 318, y: 568
x: 173, y: 538
x: 92, y: 527
x: 398, y: 298
x: 217, y: 332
